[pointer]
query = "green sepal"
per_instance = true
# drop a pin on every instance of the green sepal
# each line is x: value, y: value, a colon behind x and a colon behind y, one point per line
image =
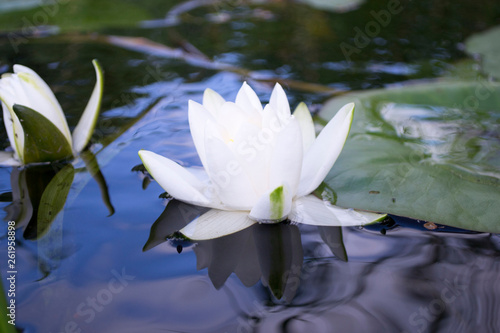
x: 277, y: 199
x: 43, y: 141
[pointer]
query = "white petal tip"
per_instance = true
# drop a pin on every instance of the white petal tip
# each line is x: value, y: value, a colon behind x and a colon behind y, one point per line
x: 85, y: 127
x: 314, y: 211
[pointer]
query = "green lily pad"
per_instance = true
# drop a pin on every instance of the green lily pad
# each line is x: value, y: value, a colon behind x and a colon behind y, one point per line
x: 43, y: 141
x: 428, y: 151
x: 486, y: 44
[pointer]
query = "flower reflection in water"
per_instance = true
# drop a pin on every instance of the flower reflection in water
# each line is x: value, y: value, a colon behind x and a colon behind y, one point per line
x: 39, y: 194
x: 271, y: 253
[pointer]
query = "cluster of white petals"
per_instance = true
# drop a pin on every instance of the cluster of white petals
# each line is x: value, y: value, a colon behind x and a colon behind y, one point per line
x: 260, y: 164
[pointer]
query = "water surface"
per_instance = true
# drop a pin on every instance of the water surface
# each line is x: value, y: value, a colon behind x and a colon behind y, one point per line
x: 87, y: 271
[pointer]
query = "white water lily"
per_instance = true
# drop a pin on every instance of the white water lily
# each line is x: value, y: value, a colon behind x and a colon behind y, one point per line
x: 35, y: 122
x: 260, y: 164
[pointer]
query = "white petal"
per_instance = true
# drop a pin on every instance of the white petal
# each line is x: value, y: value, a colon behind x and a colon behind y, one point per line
x: 279, y: 102
x: 304, y: 118
x: 198, y: 117
x: 232, y: 184
x: 10, y: 119
x: 214, y: 130
x: 217, y: 223
x: 313, y: 211
x: 18, y: 137
x: 212, y: 101
x: 175, y: 179
x: 7, y: 159
x: 253, y: 148
x: 270, y: 119
x: 10, y: 91
x: 85, y: 127
x: 325, y: 150
x: 12, y: 86
x: 248, y: 100
x: 232, y: 117
x: 7, y: 92
x: 7, y: 121
x: 273, y: 207
x: 286, y: 160
x: 40, y: 98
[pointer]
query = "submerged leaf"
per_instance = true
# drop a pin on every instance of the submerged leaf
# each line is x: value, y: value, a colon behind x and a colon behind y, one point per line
x: 486, y: 44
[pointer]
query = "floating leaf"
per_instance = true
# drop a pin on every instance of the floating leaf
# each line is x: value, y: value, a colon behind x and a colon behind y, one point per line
x: 428, y: 152
x: 486, y: 44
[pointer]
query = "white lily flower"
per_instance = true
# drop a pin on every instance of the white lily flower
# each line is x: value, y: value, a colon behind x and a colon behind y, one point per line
x: 34, y: 120
x: 261, y: 164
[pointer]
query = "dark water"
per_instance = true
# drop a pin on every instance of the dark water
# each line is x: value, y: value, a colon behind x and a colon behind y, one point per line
x: 89, y: 271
